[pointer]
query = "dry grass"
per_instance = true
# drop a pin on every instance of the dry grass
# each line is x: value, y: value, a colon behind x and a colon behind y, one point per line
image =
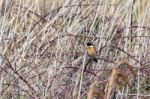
x: 42, y: 49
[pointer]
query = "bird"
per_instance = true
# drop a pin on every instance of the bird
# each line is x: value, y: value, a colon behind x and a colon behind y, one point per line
x: 91, y: 50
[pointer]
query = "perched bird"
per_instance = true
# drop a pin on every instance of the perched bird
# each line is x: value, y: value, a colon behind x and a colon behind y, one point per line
x: 91, y: 51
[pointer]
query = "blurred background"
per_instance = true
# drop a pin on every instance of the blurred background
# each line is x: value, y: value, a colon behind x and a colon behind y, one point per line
x: 43, y: 46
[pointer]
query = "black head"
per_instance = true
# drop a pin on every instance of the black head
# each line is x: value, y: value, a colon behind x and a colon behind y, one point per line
x: 89, y: 44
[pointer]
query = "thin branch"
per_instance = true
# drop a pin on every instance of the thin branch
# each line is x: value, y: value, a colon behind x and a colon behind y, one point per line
x: 19, y: 76
x: 120, y: 50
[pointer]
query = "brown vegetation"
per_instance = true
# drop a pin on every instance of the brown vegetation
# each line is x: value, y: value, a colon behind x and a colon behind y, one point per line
x: 43, y: 54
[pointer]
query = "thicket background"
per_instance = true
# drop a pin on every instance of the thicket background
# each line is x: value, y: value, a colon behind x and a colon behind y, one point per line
x: 43, y: 43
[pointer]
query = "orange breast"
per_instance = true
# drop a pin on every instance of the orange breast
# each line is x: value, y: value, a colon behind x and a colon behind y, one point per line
x: 91, y: 51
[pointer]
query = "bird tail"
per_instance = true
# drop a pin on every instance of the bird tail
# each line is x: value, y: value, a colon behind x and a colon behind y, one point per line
x: 95, y: 59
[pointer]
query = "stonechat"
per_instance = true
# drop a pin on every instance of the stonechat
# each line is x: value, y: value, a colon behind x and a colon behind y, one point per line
x: 91, y: 51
